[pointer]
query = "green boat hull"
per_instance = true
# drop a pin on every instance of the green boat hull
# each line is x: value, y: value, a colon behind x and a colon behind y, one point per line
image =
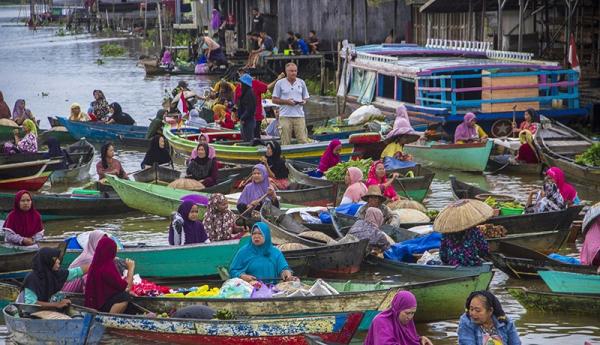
x: 466, y: 157
x: 569, y: 282
x: 556, y: 302
x: 191, y: 261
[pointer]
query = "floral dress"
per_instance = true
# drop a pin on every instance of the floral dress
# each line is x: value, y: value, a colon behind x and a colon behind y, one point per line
x: 464, y: 248
x: 28, y: 144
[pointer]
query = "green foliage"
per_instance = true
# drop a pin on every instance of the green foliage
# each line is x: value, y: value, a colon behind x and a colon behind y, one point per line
x: 591, y: 157
x: 338, y: 172
x: 314, y: 87
x: 60, y: 32
x: 224, y: 315
x: 112, y: 50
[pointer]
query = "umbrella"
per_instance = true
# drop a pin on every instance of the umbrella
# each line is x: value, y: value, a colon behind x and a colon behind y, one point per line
x: 462, y: 215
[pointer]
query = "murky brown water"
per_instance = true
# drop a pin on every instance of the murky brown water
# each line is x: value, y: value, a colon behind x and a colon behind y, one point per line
x: 64, y: 68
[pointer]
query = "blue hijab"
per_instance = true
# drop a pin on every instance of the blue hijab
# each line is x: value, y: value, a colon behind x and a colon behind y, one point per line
x: 265, y: 262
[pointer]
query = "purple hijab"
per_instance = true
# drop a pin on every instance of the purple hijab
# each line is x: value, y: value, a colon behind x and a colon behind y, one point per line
x: 254, y: 191
x: 194, y: 230
x: 464, y: 131
x: 330, y: 159
x: 386, y: 328
x: 215, y: 23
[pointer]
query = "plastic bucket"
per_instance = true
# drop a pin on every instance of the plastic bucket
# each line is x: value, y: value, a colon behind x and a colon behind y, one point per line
x: 507, y: 211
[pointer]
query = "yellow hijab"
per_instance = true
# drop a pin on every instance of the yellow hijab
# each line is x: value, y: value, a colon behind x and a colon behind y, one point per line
x: 30, y: 127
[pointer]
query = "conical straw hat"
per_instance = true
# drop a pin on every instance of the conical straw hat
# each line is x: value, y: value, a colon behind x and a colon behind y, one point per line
x: 590, y: 217
x: 187, y: 184
x: 404, y: 203
x: 462, y: 215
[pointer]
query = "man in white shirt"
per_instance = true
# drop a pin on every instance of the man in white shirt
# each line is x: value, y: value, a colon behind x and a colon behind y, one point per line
x: 291, y: 94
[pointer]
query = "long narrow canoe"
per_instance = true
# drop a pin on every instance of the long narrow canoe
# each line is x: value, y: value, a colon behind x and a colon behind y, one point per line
x: 532, y: 222
x: 463, y: 157
x: 80, y: 328
x: 522, y: 263
x: 81, y: 154
x: 156, y: 199
x: 16, y: 260
x: 163, y: 174
x: 569, y: 282
x: 544, y: 241
x: 559, y: 145
x: 495, y: 164
x: 310, y: 153
x: 557, y: 302
x: 8, y: 294
x: 438, y: 300
x: 100, y: 132
x: 415, y: 187
x: 338, y: 328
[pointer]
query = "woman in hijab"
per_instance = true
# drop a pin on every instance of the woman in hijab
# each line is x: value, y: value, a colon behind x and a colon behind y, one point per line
x: 356, y: 188
x: 331, y: 157
x: 275, y: 164
x: 246, y: 105
x: 77, y: 114
x: 56, y: 152
x: 259, y: 260
x: 23, y: 225
x: 368, y: 228
x: 526, y: 153
x: 485, y: 323
x: 21, y: 113
x: 108, y: 164
x: 378, y: 176
x: 223, y: 117
x: 100, y: 106
x: 47, y: 278
x: 105, y: 290
x: 395, y: 326
x: 185, y: 227
x: 402, y: 133
x: 203, y: 139
x: 219, y: 220
x: 29, y: 142
x: 158, y: 153
x: 85, y: 258
x: 118, y: 116
x: 257, y: 189
x: 547, y: 200
x: 590, y: 251
x: 156, y: 125
x: 568, y: 192
x: 468, y: 131
x: 194, y: 120
x: 167, y: 58
x: 4, y: 109
x: 203, y: 168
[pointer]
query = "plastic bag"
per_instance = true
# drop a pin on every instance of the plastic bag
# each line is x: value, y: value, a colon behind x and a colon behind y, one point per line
x: 273, y: 128
x: 391, y: 163
x: 201, y: 68
x: 427, y: 258
x: 236, y: 288
x: 565, y: 259
x: 262, y: 290
x: 349, y: 209
x: 203, y: 292
x: 363, y: 114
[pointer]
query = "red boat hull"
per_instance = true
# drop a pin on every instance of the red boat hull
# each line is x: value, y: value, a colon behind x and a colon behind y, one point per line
x: 30, y: 184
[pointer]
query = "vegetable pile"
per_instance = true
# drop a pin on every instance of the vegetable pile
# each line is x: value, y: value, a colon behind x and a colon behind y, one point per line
x: 492, y: 231
x: 591, y: 156
x: 338, y: 172
x: 492, y: 202
x: 432, y: 213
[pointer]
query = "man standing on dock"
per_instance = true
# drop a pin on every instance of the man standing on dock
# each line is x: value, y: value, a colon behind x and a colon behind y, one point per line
x: 291, y: 94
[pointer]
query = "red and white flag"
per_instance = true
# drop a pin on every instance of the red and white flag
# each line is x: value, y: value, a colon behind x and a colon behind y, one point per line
x: 573, y: 60
x: 182, y: 104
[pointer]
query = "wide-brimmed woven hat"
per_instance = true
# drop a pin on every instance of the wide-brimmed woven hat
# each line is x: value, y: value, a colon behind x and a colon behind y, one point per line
x: 590, y: 217
x: 462, y: 215
x: 373, y: 190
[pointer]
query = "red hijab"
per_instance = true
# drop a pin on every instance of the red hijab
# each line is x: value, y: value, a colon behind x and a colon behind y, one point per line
x: 330, y: 159
x: 103, y: 278
x: 372, y: 179
x: 24, y: 223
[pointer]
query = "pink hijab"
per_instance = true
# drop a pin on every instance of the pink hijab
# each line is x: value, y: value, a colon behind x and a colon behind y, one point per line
x: 374, y: 216
x: 211, y: 150
x: 389, y: 192
x: 567, y: 191
x: 387, y: 329
x: 85, y: 258
x: 401, y: 124
x: 591, y: 244
x: 356, y: 189
x: 330, y: 159
x: 464, y: 131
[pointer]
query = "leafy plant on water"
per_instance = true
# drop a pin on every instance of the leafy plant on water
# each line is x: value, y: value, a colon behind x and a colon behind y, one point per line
x: 60, y: 32
x: 112, y: 50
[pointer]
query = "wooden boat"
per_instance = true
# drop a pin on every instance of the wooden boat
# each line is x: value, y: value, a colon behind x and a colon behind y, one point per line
x: 495, y: 165
x: 8, y: 293
x: 557, y: 302
x: 524, y: 223
x: 559, y: 145
x: 100, y: 132
x: 570, y: 282
x: 23, y: 169
x: 428, y: 272
x: 307, y: 195
x: 68, y: 206
x: 430, y: 80
x: 164, y: 175
x: 337, y: 327
x: 543, y: 241
x: 324, y: 258
x: 81, y: 155
x: 16, y: 262
x: 463, y: 157
x: 310, y: 153
x: 26, y: 327
x: 31, y: 183
x: 415, y: 187
x: 523, y: 263
x: 157, y: 199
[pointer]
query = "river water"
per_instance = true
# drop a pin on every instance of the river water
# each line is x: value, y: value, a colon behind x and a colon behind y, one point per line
x: 50, y: 72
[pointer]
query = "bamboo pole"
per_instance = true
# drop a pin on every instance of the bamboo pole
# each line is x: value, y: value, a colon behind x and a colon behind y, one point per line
x: 337, y: 77
x: 160, y: 35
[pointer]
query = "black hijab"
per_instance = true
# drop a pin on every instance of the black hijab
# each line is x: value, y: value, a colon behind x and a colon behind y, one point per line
x: 156, y: 124
x: 200, y: 167
x: 276, y: 163
x: 119, y: 116
x: 44, y: 281
x: 155, y: 154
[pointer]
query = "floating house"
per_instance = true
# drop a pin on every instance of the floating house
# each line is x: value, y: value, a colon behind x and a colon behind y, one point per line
x: 443, y: 80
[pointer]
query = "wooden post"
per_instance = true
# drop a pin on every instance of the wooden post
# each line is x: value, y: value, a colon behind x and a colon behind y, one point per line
x: 160, y: 35
x: 482, y: 26
x: 337, y: 77
x: 322, y: 75
x: 521, y: 10
x: 469, y: 20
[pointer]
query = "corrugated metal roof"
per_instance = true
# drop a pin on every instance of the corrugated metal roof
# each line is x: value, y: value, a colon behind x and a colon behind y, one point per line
x: 463, y: 5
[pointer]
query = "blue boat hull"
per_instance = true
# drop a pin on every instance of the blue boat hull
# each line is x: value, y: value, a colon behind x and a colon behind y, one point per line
x: 101, y: 132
